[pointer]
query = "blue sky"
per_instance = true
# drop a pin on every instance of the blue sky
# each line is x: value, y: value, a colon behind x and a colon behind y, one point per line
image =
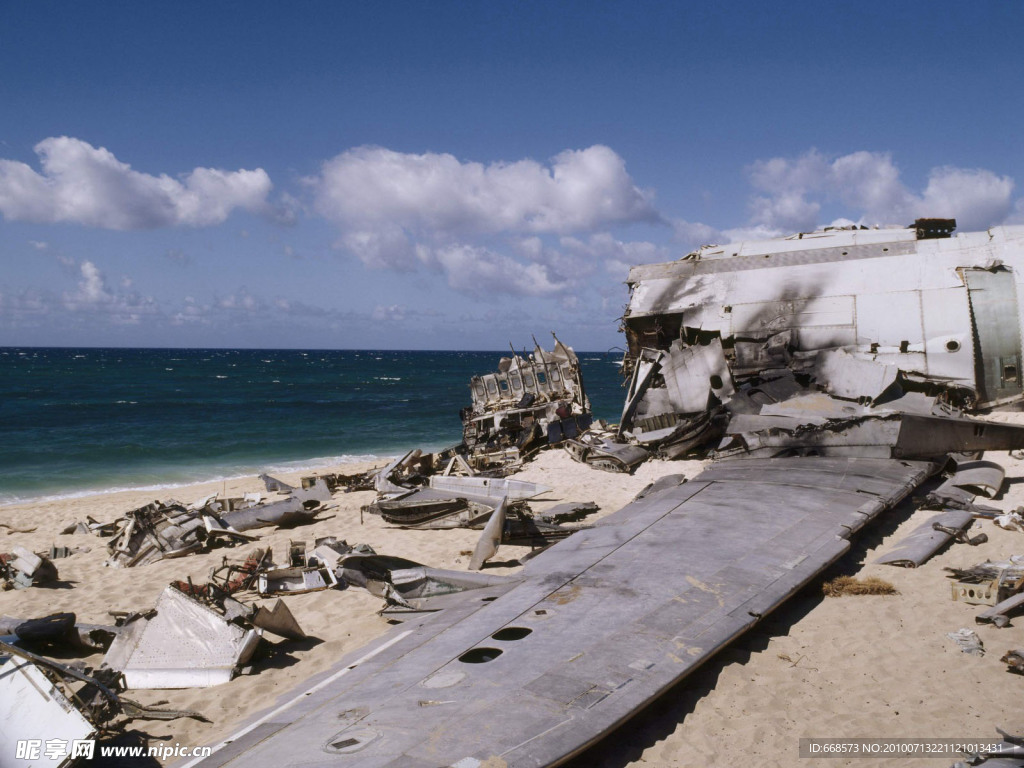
x: 460, y: 175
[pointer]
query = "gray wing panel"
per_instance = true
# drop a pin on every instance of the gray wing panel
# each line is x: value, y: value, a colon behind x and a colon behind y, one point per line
x: 604, y: 621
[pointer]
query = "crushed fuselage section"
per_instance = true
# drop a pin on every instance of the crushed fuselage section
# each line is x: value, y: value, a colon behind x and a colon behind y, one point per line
x: 531, y: 401
x: 869, y: 318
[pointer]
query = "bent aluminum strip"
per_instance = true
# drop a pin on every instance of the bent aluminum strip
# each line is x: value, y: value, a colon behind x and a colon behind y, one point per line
x: 924, y: 541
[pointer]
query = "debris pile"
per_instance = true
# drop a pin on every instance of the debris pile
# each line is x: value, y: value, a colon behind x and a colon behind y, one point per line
x: 408, y: 499
x: 20, y: 569
x: 76, y: 706
x: 90, y: 525
x: 170, y: 529
x: 361, y: 481
x: 1011, y: 521
x: 999, y: 585
x: 181, y: 643
x: 990, y: 582
x: 411, y: 589
x: 303, y: 572
x: 970, y: 480
x: 599, y: 448
x: 530, y: 402
x: 58, y: 630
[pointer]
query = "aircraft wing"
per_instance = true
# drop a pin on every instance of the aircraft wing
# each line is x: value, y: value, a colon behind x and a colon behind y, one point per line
x: 531, y: 673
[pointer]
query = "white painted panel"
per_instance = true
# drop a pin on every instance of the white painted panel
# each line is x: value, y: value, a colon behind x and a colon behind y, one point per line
x: 186, y: 644
x: 889, y: 319
x: 31, y: 707
x: 488, y: 486
x: 949, y: 342
x: 809, y: 339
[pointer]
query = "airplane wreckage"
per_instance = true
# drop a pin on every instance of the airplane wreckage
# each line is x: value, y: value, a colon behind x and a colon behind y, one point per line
x: 830, y: 373
x: 530, y: 402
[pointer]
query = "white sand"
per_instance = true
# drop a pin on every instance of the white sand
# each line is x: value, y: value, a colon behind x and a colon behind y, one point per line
x: 838, y: 667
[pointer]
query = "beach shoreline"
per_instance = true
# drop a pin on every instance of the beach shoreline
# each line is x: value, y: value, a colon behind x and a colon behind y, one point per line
x: 820, y: 667
x: 298, y: 467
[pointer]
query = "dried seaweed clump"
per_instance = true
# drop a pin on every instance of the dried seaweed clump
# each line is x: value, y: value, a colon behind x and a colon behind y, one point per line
x: 848, y: 585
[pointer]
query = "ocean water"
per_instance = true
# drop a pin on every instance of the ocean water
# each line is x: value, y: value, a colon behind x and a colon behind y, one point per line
x: 77, y: 421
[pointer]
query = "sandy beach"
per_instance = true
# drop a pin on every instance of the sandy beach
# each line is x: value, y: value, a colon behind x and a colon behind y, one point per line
x: 867, y: 666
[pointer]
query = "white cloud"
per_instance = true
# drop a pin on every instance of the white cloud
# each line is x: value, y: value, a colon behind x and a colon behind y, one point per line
x: 691, y: 234
x: 483, y: 272
x: 94, y: 295
x: 191, y: 313
x: 87, y: 185
x: 616, y: 255
x: 403, y: 212
x: 1017, y: 215
x: 395, y: 313
x: 976, y: 198
x: 241, y: 301
x: 386, y: 247
x: 27, y: 304
x: 868, y: 184
x: 370, y: 187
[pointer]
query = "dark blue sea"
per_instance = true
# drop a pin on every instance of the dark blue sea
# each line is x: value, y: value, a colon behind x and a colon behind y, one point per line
x: 77, y: 421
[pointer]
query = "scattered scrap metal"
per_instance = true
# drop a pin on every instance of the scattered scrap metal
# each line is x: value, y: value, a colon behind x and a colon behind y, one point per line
x: 411, y: 589
x: 999, y: 614
x: 969, y: 480
x: 843, y: 393
x: 1011, y: 521
x: 928, y: 538
x: 360, y: 481
x: 302, y: 572
x: 531, y: 401
x: 999, y: 585
x: 60, y: 630
x: 599, y: 448
x: 990, y: 582
x: 182, y: 643
x: 20, y: 569
x: 75, y: 706
x: 449, y: 501
x: 968, y: 641
x: 91, y: 525
x: 1015, y: 660
x: 170, y: 529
